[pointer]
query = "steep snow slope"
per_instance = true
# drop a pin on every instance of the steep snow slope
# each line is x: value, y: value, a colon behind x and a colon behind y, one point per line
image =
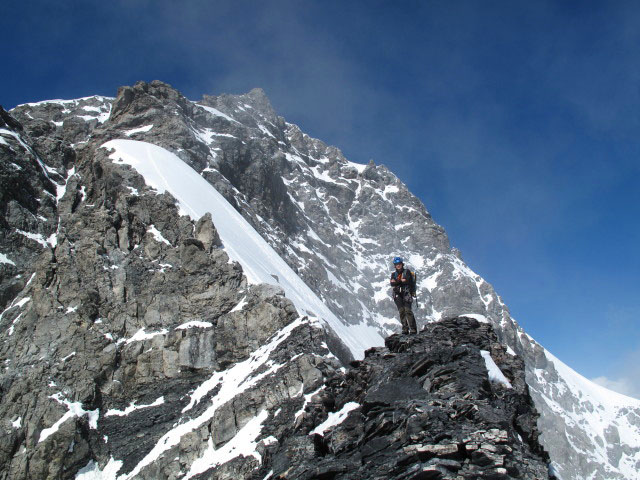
x: 164, y: 171
x: 611, y: 420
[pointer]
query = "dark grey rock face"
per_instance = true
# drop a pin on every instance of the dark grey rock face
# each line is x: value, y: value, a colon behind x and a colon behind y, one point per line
x: 85, y: 227
x: 27, y: 207
x: 423, y: 407
x: 134, y: 326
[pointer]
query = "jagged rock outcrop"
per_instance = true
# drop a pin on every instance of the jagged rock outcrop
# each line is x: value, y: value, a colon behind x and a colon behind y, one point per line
x: 423, y: 407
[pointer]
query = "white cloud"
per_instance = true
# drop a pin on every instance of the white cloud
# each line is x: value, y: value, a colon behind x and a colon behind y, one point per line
x: 624, y: 385
x: 624, y: 376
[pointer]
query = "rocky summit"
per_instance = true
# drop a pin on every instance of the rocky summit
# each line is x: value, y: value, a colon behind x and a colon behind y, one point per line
x: 183, y: 282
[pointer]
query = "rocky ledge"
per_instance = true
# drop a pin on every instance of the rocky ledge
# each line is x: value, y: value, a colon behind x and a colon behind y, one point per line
x: 448, y: 403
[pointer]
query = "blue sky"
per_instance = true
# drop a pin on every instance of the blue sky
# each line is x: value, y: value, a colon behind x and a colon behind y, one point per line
x: 516, y: 123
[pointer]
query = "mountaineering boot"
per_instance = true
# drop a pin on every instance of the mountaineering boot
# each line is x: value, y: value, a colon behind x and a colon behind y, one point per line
x: 405, y: 325
x: 407, y: 320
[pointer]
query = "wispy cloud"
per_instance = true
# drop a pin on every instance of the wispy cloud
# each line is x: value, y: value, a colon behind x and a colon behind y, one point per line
x: 626, y: 378
x: 629, y: 386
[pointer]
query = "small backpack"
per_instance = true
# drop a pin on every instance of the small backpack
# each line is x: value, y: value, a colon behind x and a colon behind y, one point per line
x: 412, y: 282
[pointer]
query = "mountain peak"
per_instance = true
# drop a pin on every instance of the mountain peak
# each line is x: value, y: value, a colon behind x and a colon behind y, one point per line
x: 258, y: 99
x: 259, y: 95
x: 144, y: 95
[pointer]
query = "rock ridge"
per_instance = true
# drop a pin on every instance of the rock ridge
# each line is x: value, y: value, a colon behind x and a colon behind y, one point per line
x: 423, y: 407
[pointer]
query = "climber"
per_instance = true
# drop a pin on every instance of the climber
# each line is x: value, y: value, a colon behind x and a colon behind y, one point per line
x: 403, y: 282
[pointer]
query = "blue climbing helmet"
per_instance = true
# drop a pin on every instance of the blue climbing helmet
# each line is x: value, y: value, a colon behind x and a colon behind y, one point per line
x: 397, y: 260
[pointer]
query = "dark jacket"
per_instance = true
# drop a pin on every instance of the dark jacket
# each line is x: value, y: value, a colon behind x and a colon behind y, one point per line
x: 403, y: 282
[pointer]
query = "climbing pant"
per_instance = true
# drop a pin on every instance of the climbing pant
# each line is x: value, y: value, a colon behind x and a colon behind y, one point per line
x: 407, y: 319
